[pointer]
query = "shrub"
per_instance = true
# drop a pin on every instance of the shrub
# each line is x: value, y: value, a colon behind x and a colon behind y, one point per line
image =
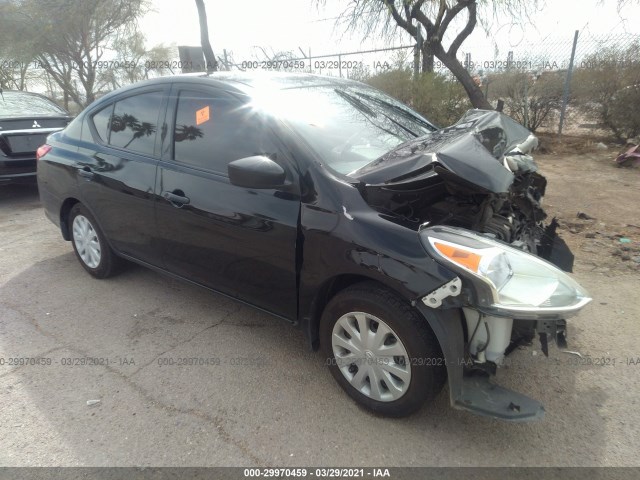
x: 532, y: 100
x: 607, y: 89
x: 441, y: 99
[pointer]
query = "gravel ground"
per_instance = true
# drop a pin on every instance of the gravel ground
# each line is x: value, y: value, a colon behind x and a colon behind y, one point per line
x: 264, y: 399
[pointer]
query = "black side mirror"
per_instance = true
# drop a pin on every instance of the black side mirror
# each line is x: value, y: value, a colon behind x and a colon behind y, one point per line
x: 256, y: 172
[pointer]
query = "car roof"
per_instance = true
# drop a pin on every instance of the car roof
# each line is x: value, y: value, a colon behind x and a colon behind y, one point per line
x: 242, y: 82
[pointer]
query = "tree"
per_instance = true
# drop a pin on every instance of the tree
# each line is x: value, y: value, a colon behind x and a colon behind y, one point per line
x: 436, y: 96
x: 68, y: 39
x: 530, y: 99
x: 137, y: 62
x: 212, y: 64
x: 607, y: 89
x: 15, y: 59
x: 435, y: 20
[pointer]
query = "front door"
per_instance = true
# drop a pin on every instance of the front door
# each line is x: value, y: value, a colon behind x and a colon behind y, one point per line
x: 239, y: 241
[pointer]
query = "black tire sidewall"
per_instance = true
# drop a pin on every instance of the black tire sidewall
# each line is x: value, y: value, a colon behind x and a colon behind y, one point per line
x: 424, y: 353
x: 105, y: 267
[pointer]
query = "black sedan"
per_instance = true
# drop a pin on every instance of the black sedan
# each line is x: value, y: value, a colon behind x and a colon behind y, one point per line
x: 408, y: 254
x: 25, y: 121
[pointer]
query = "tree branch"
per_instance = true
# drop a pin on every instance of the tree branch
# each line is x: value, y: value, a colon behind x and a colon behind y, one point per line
x: 441, y: 11
x: 451, y: 14
x: 426, y: 23
x: 402, y: 22
x: 466, y: 31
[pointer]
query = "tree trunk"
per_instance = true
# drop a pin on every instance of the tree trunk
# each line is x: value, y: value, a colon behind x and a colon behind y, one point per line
x: 474, y: 92
x: 212, y: 64
x: 427, y: 63
x: 427, y: 58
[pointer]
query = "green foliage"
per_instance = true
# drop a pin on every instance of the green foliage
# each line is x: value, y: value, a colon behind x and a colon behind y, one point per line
x: 137, y: 62
x: 607, y: 90
x: 532, y: 100
x: 67, y: 41
x: 440, y: 98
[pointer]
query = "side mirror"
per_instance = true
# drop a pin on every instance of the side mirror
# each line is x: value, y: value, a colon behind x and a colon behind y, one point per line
x: 256, y: 172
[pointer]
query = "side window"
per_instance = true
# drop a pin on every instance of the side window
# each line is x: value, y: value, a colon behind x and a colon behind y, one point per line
x: 101, y: 122
x: 135, y: 122
x: 212, y: 131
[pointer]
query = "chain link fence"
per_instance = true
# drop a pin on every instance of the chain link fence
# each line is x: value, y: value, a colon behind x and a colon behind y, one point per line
x: 540, y: 81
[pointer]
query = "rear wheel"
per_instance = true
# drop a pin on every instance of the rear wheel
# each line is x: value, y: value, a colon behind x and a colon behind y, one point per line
x: 381, y: 351
x: 90, y: 245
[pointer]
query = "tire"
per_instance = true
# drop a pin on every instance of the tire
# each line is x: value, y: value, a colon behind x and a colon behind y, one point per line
x: 90, y: 244
x: 410, y: 354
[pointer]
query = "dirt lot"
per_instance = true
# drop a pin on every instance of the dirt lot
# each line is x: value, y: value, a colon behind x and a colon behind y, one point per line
x: 272, y: 402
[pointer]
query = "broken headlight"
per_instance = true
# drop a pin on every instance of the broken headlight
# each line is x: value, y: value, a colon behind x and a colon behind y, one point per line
x: 507, y: 281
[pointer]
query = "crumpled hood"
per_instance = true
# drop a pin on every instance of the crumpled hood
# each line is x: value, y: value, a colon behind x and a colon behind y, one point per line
x: 472, y: 149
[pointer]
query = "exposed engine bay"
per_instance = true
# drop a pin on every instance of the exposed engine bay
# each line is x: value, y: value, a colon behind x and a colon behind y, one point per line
x: 505, y: 203
x: 478, y: 175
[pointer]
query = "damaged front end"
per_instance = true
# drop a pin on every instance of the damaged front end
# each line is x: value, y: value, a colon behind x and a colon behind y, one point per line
x: 477, y: 174
x: 474, y: 194
x: 507, y: 297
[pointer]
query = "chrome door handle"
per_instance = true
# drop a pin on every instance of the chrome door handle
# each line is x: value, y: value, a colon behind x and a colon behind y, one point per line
x: 175, y: 200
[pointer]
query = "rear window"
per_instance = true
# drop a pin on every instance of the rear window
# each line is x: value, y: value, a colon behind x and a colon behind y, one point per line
x: 23, y: 104
x: 101, y: 122
x: 135, y: 122
x: 130, y: 123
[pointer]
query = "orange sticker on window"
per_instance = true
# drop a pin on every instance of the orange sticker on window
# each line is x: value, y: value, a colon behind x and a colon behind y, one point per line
x: 202, y: 115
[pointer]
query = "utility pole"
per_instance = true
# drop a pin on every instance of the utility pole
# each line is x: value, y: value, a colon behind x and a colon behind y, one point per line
x: 567, y: 83
x: 416, y: 54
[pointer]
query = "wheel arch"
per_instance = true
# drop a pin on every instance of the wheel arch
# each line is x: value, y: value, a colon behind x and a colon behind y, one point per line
x: 336, y: 284
x: 331, y: 286
x: 65, y: 209
x: 446, y: 325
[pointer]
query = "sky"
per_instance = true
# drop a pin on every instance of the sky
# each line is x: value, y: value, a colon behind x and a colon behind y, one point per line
x: 245, y: 28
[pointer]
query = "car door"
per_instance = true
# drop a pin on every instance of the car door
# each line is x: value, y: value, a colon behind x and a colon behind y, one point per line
x: 239, y: 241
x: 118, y: 169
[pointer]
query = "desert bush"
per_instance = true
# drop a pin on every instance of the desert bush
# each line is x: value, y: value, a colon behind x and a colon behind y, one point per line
x: 606, y: 88
x: 532, y: 100
x: 439, y: 98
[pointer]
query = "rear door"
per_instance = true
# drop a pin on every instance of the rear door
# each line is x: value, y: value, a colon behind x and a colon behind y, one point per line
x: 118, y: 170
x: 239, y: 241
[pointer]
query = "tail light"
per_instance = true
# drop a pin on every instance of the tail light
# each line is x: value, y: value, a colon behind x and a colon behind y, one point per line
x: 42, y: 151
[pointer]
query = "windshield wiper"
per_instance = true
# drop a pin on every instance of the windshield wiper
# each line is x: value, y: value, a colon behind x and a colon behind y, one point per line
x: 404, y: 112
x: 360, y: 105
x: 356, y: 102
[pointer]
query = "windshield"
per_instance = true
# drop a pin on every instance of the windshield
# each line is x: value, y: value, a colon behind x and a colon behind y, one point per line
x: 22, y: 104
x: 348, y: 126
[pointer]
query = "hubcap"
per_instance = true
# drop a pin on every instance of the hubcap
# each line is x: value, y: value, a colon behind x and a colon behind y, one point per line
x: 371, y: 356
x: 86, y: 241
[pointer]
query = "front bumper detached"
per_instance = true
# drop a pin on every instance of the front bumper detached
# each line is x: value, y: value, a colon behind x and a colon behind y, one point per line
x: 470, y: 385
x: 484, y: 398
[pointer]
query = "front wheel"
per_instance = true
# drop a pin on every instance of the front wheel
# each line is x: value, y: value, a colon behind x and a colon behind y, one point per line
x: 90, y: 244
x: 380, y: 350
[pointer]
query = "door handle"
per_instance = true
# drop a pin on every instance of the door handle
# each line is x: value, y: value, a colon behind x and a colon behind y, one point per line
x: 175, y: 199
x: 86, y: 173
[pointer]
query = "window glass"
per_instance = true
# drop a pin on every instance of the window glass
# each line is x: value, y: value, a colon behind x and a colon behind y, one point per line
x: 101, y: 122
x: 24, y: 104
x: 135, y: 122
x: 212, y: 131
x: 349, y: 126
